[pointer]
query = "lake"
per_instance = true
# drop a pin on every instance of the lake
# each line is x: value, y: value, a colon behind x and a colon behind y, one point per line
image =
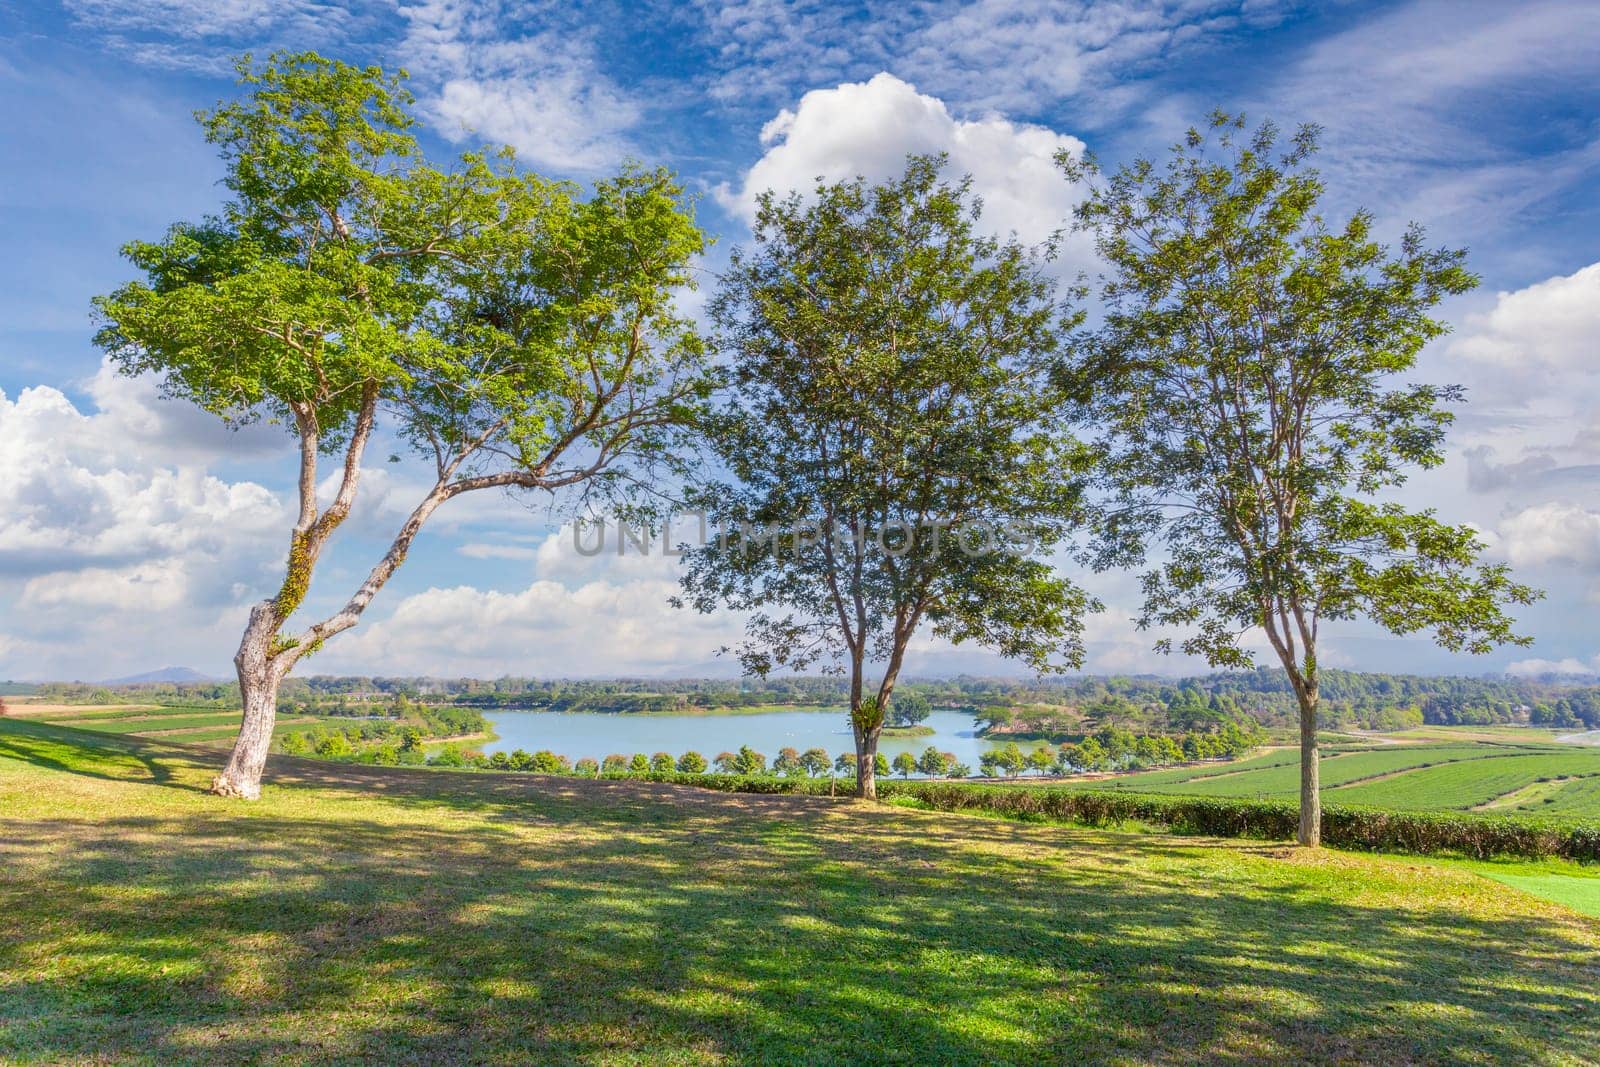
x: 598, y: 734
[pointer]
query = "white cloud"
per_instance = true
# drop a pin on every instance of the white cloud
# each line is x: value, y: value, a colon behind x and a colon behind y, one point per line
x: 81, y: 492
x: 1552, y: 533
x: 1019, y: 55
x: 1549, y: 328
x: 202, y: 35
x: 117, y: 546
x: 1567, y: 665
x: 542, y: 91
x: 1427, y: 93
x: 598, y: 628
x: 868, y: 129
x: 159, y: 585
x: 482, y: 550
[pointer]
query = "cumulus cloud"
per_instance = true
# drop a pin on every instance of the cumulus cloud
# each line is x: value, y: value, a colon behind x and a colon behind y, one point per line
x: 868, y: 128
x: 1552, y: 533
x: 1566, y: 665
x: 547, y: 628
x: 1549, y: 328
x: 80, y: 493
x: 116, y: 543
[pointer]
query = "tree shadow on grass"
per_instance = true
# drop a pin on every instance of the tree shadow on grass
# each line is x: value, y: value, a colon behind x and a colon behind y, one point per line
x: 514, y: 919
x: 558, y: 920
x: 64, y: 748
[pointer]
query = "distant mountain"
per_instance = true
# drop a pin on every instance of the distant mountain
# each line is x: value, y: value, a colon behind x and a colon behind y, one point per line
x: 165, y: 674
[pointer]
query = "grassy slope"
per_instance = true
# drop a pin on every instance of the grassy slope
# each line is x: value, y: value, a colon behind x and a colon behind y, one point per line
x: 390, y: 916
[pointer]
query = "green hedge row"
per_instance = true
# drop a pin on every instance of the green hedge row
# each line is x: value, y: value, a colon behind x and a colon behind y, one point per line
x: 1368, y: 829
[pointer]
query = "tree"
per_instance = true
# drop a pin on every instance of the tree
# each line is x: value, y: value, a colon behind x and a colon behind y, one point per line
x: 886, y: 428
x: 727, y: 762
x: 662, y: 763
x: 1041, y: 759
x: 909, y: 709
x: 933, y: 762
x: 814, y: 761
x: 787, y: 762
x: 616, y: 763
x: 905, y: 764
x: 513, y: 333
x: 1246, y: 380
x: 1011, y: 759
x: 639, y: 764
x: 547, y: 762
x: 692, y: 763
x: 587, y: 767
x: 749, y: 761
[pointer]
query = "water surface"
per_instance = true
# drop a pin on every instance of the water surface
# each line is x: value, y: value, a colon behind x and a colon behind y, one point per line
x: 598, y: 734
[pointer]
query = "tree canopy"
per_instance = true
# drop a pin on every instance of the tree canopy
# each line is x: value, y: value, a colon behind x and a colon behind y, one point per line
x: 1247, y: 385
x: 885, y: 427
x: 515, y: 332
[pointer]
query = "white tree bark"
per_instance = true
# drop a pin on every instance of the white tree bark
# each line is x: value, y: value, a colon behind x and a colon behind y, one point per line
x: 258, y: 687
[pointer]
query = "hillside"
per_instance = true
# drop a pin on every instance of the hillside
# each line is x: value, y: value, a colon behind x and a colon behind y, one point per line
x: 383, y: 915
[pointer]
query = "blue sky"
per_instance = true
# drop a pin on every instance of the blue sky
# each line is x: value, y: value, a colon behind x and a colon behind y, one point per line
x: 133, y: 532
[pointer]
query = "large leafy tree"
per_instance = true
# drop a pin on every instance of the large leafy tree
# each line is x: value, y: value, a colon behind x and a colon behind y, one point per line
x: 887, y: 417
x: 1247, y: 378
x: 514, y: 332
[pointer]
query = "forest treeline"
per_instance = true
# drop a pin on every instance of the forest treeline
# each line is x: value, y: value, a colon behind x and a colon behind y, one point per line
x: 1032, y: 708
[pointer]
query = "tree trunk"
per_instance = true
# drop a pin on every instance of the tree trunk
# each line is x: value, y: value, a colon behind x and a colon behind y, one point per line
x: 258, y: 688
x: 1310, y: 833
x: 867, y: 762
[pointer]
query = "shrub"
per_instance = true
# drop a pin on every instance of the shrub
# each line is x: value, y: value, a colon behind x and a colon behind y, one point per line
x: 662, y: 763
x: 547, y: 762
x: 1368, y: 829
x: 639, y: 764
x: 448, y: 756
x: 814, y: 761
x: 614, y: 763
x: 692, y: 763
x: 333, y: 746
x: 586, y: 767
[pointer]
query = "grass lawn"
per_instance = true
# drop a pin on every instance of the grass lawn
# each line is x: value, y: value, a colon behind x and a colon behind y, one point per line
x: 393, y: 916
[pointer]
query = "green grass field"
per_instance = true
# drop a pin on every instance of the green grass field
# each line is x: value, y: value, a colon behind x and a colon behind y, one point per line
x: 371, y: 915
x: 1488, y: 772
x: 185, y: 724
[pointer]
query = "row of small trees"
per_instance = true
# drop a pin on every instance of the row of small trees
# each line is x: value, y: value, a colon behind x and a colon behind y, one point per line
x: 1110, y: 750
x: 1117, y: 749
